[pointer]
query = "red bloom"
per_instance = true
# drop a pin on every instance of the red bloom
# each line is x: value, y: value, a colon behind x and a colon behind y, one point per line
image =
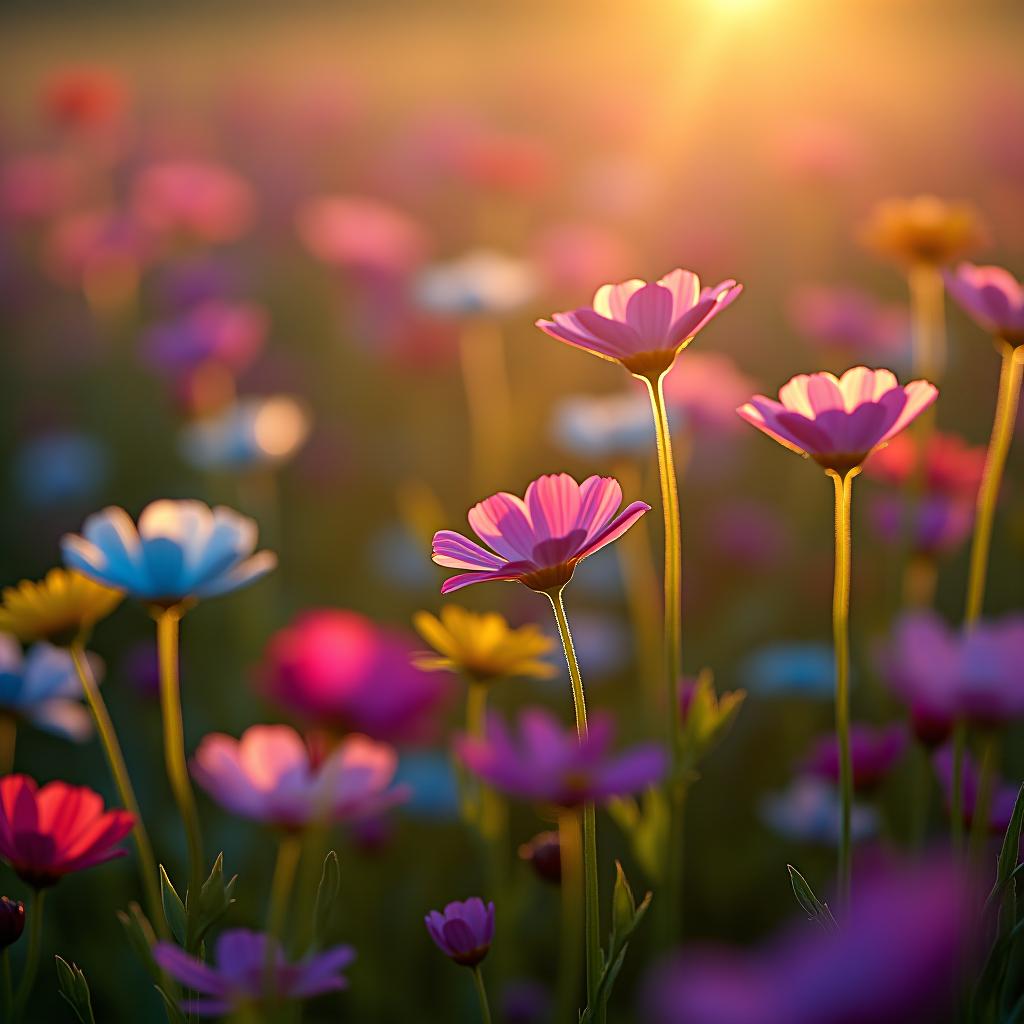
x: 50, y: 832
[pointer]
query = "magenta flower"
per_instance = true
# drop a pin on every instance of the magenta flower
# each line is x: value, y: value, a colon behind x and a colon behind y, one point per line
x: 270, y: 775
x: 229, y: 334
x: 943, y: 674
x: 951, y: 466
x: 873, y: 753
x: 539, y: 539
x: 992, y: 297
x: 1004, y: 794
x: 338, y: 669
x: 643, y: 326
x: 245, y: 975
x: 548, y: 764
x: 839, y: 421
x: 463, y: 931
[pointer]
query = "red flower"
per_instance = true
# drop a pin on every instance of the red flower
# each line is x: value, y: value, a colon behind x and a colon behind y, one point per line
x: 50, y: 832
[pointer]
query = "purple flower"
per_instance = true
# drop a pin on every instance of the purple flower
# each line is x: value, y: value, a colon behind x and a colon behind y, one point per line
x: 241, y: 977
x: 231, y: 334
x: 463, y: 931
x: 873, y: 752
x: 1004, y: 794
x: 992, y: 297
x: 548, y: 764
x: 895, y: 961
x: 943, y: 674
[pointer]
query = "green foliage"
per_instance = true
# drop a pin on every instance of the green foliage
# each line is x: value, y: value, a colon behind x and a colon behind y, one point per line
x: 326, y: 895
x: 815, y: 909
x: 74, y: 990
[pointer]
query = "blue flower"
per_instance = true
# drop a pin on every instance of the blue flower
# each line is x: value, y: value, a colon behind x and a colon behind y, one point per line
x: 429, y: 777
x: 180, y: 550
x: 42, y: 687
x: 58, y: 468
x: 481, y: 282
x: 804, y: 670
x: 808, y: 811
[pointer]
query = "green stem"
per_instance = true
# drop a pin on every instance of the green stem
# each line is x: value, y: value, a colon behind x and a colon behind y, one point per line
x: 956, y: 797
x: 570, y: 852
x: 289, y: 851
x: 481, y: 991
x: 167, y: 621
x: 35, y: 941
x: 8, y: 991
x: 673, y: 643
x: 8, y: 743
x: 995, y: 461
x: 983, y: 799
x: 122, y: 780
x: 592, y: 906
x: 841, y: 641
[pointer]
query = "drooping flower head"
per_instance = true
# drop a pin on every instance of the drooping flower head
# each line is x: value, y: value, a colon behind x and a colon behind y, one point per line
x: 463, y: 931
x: 923, y: 230
x: 270, y: 775
x: 643, y: 326
x: 59, y: 608
x: 482, y: 645
x: 839, y: 421
x: 42, y: 687
x: 547, y: 764
x: 12, y: 921
x: 180, y: 551
x: 537, y: 540
x: 992, y: 297
x: 51, y: 831
x: 873, y: 754
x: 341, y: 671
x: 245, y: 974
x: 944, y: 675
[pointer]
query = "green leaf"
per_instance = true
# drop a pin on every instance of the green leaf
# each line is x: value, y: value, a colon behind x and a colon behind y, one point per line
x: 326, y: 895
x: 647, y: 829
x: 623, y: 905
x: 1008, y: 856
x: 171, y: 1008
x: 74, y: 990
x: 174, y: 909
x: 214, y: 899
x: 140, y: 936
x: 814, y: 908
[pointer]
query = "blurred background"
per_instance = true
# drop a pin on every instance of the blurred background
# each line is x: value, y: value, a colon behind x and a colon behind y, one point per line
x: 289, y: 258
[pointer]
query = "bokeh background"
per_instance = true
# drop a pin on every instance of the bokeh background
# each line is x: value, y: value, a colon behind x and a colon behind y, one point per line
x: 571, y: 144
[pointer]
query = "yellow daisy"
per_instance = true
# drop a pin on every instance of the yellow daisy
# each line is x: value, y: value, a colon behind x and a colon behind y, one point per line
x: 58, y: 608
x: 482, y: 646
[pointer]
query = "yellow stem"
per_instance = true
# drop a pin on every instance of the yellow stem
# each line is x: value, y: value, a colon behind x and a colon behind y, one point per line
x: 928, y: 321
x: 995, y: 462
x: 122, y: 780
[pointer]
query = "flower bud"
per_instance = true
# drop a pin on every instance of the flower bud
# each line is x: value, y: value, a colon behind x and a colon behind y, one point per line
x: 12, y: 921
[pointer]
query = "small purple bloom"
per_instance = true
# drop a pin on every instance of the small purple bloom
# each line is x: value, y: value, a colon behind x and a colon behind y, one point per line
x: 1004, y: 794
x: 231, y: 334
x: 895, y: 960
x: 992, y: 297
x: 873, y: 752
x: 548, y: 764
x: 463, y: 931
x: 240, y: 976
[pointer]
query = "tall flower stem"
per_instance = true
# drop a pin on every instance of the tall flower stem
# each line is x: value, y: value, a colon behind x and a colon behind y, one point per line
x: 122, y: 780
x: 167, y: 623
x: 481, y: 991
x: 35, y: 942
x: 570, y: 852
x: 995, y: 461
x: 289, y: 850
x: 485, y: 379
x: 928, y: 320
x: 841, y: 641
x: 591, y: 901
x: 673, y: 639
x: 983, y: 798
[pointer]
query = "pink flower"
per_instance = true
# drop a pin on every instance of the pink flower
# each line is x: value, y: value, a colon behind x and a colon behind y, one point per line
x: 643, y: 326
x: 992, y: 297
x: 243, y: 974
x: 50, y: 832
x: 540, y: 539
x: 93, y: 245
x: 362, y: 234
x: 838, y: 422
x: 85, y: 97
x: 338, y: 669
x: 951, y: 466
x: 548, y: 764
x: 196, y: 198
x: 873, y: 752
x: 269, y: 775
x: 706, y: 390
x: 848, y: 318
x: 229, y: 334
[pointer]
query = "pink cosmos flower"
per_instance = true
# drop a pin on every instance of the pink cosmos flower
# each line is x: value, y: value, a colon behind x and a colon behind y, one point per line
x: 643, y: 326
x: 548, y: 764
x: 992, y: 297
x: 243, y: 975
x: 839, y: 421
x: 49, y: 832
x: 539, y: 539
x: 340, y: 670
x: 873, y: 753
x: 196, y: 198
x: 464, y: 931
x: 270, y: 775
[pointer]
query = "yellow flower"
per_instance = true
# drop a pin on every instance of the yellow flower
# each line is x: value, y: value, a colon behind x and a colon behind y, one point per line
x: 58, y: 608
x: 482, y: 646
x: 924, y: 229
